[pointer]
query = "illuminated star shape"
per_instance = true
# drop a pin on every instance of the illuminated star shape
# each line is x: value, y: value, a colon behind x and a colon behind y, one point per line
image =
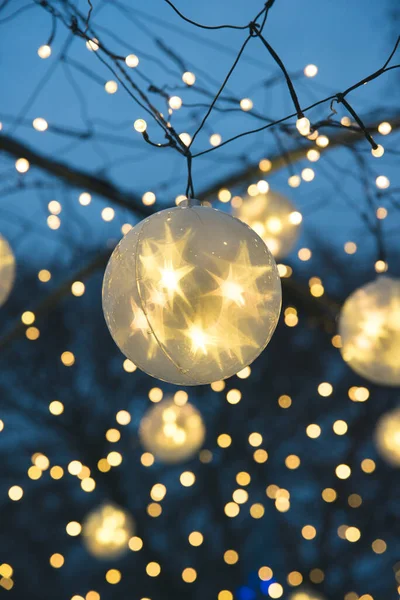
x: 164, y: 265
x: 238, y: 283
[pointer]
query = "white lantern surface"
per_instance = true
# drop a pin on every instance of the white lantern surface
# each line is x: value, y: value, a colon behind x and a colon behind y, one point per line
x: 172, y: 433
x: 191, y: 295
x: 369, y: 326
x: 274, y: 218
x: 387, y: 437
x: 107, y: 530
x: 7, y: 270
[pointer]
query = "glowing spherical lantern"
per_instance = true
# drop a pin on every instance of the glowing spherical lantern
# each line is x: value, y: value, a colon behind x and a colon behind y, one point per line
x: 387, y: 437
x: 7, y: 270
x: 274, y: 218
x: 172, y: 433
x: 305, y: 594
x: 369, y: 326
x: 191, y: 295
x: 107, y: 530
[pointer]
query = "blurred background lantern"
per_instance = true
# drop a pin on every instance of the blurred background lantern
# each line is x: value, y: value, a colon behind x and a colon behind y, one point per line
x: 369, y: 326
x: 172, y: 433
x: 191, y: 295
x: 274, y: 218
x: 107, y: 530
x: 305, y: 595
x: 7, y: 270
x: 387, y: 437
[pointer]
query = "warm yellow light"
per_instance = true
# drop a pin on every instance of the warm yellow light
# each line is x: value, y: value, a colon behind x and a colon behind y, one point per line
x: 275, y: 590
x: 325, y: 389
x: 132, y: 61
x: 313, y: 431
x: 382, y: 182
x: 175, y: 102
x: 67, y: 358
x: 40, y: 124
x: 294, y: 181
x: 92, y: 45
x: 343, y: 471
x: 322, y: 141
x: 113, y: 576
x: 111, y: 87
x: 265, y: 165
x: 56, y: 560
x: 108, y: 213
x: 340, y: 427
x: 44, y: 51
x: 22, y: 165
x: 153, y: 569
x: 188, y: 78
x: 173, y: 433
x: 308, y: 532
x: 15, y: 492
x: 215, y: 139
x: 140, y: 125
x: 56, y: 407
x: 352, y: 534
x: 307, y: 174
x: 387, y: 437
x: 246, y: 104
x: 107, y: 531
x: 78, y: 288
x: 73, y: 528
x: 310, y: 70
x: 85, y: 198
x: 44, y: 275
x: 184, y: 330
x: 196, y: 538
x: 135, y: 543
x: 303, y: 126
x: 189, y: 575
x: 148, y: 198
x: 384, y: 128
x: 378, y: 152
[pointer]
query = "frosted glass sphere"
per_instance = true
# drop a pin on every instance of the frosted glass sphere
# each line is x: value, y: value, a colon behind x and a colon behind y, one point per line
x: 369, y: 325
x: 172, y: 433
x: 7, y: 270
x: 387, y: 437
x: 107, y: 530
x: 191, y: 295
x: 274, y: 218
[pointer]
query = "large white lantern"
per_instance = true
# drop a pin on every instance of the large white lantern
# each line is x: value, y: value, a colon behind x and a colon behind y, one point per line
x: 274, y: 218
x: 172, y: 433
x: 7, y: 270
x: 387, y: 437
x: 191, y: 295
x: 107, y: 530
x: 369, y: 326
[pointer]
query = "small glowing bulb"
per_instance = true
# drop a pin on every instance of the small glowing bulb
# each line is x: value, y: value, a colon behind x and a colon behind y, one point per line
x: 175, y: 102
x: 188, y: 78
x: 313, y: 155
x: 246, y: 104
x: 44, y: 51
x: 140, y: 125
x: 382, y: 182
x: 108, y: 213
x: 92, y: 45
x: 303, y: 126
x: 148, y: 198
x: 322, y: 141
x: 384, y: 128
x: 85, y: 198
x: 54, y: 207
x: 22, y: 165
x: 215, y: 139
x: 199, y: 339
x: 294, y: 181
x: 111, y: 87
x: 307, y: 174
x: 263, y: 186
x: 185, y: 138
x: 40, y: 124
x: 295, y: 217
x: 378, y: 152
x: 310, y: 70
x: 132, y: 61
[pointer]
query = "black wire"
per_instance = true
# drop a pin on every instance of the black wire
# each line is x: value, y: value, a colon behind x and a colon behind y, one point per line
x: 205, y: 26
